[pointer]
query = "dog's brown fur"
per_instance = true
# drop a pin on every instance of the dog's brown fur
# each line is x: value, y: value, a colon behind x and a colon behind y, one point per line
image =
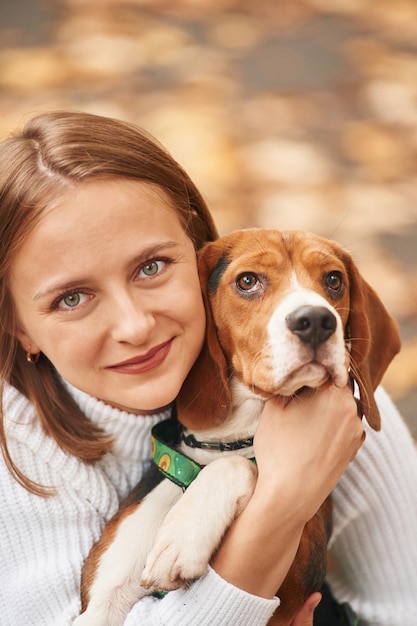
x: 205, y: 399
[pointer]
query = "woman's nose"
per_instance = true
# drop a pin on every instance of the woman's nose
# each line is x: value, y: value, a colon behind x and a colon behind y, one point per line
x: 131, y: 321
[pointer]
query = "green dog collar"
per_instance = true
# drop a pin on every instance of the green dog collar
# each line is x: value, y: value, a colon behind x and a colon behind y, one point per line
x: 173, y: 464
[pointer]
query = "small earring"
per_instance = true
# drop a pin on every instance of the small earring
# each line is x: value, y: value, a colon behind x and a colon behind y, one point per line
x: 32, y: 358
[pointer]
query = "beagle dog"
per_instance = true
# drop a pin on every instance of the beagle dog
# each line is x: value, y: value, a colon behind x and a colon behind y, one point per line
x: 285, y: 310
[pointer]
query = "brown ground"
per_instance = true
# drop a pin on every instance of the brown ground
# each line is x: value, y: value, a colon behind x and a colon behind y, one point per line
x: 287, y: 114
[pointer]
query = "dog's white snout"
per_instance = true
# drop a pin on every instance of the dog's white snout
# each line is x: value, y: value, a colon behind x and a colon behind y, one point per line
x: 306, y: 342
x: 312, y: 324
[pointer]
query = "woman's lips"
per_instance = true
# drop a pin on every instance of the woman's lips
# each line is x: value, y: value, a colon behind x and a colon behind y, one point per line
x: 145, y: 362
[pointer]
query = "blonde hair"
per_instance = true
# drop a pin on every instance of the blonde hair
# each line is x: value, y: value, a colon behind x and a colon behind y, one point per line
x: 36, y: 164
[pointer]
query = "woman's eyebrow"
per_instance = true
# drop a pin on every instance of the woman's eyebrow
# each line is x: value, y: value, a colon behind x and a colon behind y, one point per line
x: 145, y: 254
x: 60, y: 287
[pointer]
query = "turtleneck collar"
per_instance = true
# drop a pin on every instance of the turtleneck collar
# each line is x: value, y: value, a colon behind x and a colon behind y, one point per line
x: 128, y: 429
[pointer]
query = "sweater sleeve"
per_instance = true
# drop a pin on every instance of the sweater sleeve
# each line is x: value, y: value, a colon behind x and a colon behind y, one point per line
x: 375, y: 525
x: 210, y: 601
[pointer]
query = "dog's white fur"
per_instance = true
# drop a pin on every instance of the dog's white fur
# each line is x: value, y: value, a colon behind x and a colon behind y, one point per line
x: 171, y: 536
x: 290, y: 357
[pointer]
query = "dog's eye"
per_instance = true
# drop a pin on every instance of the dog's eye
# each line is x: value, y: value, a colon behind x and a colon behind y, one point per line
x: 248, y: 282
x: 334, y: 281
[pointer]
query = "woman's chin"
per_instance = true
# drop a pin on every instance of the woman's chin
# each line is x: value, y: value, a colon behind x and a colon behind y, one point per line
x: 141, y: 399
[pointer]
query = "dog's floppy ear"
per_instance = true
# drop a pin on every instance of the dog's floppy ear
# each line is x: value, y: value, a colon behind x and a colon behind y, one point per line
x: 374, y: 340
x: 205, y: 398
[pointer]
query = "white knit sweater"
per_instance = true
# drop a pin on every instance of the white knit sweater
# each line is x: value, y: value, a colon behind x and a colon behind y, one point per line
x: 44, y: 541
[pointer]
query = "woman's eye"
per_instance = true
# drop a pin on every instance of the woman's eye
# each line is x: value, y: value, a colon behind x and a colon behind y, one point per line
x: 72, y: 300
x: 152, y: 268
x: 248, y: 282
x: 334, y: 281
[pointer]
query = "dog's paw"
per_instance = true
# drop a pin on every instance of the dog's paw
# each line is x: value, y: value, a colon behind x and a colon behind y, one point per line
x: 174, y: 561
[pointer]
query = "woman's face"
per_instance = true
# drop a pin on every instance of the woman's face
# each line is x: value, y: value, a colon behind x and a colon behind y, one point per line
x: 106, y: 286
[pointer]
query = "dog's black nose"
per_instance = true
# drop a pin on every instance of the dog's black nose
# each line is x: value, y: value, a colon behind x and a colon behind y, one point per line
x: 312, y: 324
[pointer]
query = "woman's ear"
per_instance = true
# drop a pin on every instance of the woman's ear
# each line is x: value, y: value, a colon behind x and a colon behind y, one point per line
x: 26, y: 342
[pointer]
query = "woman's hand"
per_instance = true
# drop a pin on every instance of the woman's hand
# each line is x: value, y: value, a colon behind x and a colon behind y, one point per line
x: 305, y: 615
x: 302, y: 447
x: 304, y: 444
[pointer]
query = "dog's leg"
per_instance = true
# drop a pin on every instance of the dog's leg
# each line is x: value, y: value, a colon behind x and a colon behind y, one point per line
x: 116, y: 586
x: 194, y: 527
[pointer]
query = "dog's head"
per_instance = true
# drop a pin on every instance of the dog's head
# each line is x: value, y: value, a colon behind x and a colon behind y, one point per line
x: 285, y: 309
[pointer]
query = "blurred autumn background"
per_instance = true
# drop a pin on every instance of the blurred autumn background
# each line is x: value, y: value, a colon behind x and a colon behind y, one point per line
x: 287, y: 114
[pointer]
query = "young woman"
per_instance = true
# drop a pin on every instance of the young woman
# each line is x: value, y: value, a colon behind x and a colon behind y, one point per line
x: 101, y: 320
